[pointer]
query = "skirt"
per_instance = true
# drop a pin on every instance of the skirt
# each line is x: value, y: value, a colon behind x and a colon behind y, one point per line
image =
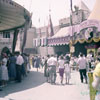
x: 61, y: 71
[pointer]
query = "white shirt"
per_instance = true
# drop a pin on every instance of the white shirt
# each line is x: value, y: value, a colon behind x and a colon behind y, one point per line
x: 67, y: 67
x: 52, y: 61
x: 19, y: 60
x: 82, y: 63
x: 5, y: 61
x: 43, y: 60
x: 61, y: 63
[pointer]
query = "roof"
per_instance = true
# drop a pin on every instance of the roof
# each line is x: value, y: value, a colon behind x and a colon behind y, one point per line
x: 62, y: 33
x: 11, y: 15
x: 95, y: 14
x: 61, y: 37
x: 83, y: 6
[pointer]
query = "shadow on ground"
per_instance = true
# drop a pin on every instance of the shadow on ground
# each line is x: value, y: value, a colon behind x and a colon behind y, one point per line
x: 33, y: 80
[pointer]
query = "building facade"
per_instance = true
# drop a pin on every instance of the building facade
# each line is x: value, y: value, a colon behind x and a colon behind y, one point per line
x: 14, y: 23
x: 79, y: 15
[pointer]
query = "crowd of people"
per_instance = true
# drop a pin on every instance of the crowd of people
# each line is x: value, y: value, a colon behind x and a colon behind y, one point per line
x: 63, y: 64
x: 13, y: 68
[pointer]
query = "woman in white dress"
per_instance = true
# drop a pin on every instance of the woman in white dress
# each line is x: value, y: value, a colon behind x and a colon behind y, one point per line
x: 5, y: 77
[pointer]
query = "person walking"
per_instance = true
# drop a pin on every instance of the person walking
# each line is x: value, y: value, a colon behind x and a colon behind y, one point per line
x: 46, y: 69
x: 82, y: 63
x: 61, y: 68
x: 37, y: 62
x: 52, y: 63
x: 67, y: 68
x: 42, y: 61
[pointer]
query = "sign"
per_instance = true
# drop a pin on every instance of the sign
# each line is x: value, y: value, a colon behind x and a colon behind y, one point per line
x: 72, y: 49
x: 90, y: 23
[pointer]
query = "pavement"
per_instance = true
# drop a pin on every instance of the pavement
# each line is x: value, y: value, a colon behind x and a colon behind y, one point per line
x: 35, y: 87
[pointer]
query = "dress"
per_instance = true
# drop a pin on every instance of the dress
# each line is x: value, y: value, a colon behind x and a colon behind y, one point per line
x: 12, y: 67
x: 37, y: 62
x: 67, y: 71
x: 4, y: 73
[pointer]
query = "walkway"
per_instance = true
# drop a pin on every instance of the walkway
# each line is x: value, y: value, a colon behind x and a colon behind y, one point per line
x: 35, y: 87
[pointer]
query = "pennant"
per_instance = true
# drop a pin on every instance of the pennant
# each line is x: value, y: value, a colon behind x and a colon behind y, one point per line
x: 50, y: 27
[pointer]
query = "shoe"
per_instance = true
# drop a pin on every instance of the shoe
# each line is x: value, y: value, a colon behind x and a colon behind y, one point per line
x: 81, y: 81
x: 86, y: 82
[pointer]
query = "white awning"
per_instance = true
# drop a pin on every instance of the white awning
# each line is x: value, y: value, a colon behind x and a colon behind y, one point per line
x: 62, y: 37
x: 62, y: 33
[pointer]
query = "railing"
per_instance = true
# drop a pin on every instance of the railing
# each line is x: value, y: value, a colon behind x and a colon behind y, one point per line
x: 5, y: 40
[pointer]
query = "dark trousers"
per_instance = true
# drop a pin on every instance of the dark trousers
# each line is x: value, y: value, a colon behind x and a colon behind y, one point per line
x: 18, y: 73
x: 83, y: 75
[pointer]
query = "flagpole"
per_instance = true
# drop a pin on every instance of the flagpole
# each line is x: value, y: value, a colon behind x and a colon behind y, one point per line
x: 47, y: 45
x: 47, y: 33
x: 47, y: 36
x: 71, y: 23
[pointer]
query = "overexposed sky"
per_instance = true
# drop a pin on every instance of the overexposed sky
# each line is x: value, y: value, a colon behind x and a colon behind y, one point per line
x: 59, y: 9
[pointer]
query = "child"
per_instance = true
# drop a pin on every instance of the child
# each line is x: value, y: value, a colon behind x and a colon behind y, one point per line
x: 4, y: 74
x: 67, y: 71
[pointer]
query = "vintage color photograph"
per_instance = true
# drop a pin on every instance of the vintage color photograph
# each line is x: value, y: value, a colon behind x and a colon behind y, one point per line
x: 49, y: 49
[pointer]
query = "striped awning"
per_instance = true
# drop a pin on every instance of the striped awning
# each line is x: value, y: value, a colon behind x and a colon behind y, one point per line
x: 61, y: 37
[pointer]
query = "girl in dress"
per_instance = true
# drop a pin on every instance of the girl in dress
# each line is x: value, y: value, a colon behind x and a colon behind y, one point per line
x: 4, y: 74
x: 67, y: 70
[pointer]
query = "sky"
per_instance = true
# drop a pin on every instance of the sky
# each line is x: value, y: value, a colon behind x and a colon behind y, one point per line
x: 59, y: 9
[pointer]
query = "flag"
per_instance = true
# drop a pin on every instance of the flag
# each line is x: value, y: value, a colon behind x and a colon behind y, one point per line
x: 50, y: 27
x: 47, y: 33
